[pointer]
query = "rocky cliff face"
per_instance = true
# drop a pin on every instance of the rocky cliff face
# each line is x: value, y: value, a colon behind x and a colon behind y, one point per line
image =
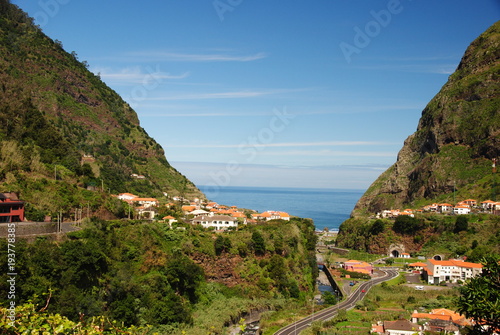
x: 457, y: 137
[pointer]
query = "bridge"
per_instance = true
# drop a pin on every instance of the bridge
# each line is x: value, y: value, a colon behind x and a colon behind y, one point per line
x: 328, y: 313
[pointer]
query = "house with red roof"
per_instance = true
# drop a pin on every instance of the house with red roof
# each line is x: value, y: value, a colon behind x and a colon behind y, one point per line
x: 11, y: 208
x: 219, y: 222
x: 470, y: 202
x: 271, y: 215
x: 358, y: 266
x: 444, y: 208
x: 127, y: 197
x: 461, y: 210
x: 441, y: 321
x: 450, y: 270
x: 169, y: 219
x: 488, y: 204
x: 398, y: 327
x: 418, y: 266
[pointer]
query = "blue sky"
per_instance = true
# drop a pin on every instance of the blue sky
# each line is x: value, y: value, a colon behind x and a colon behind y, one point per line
x: 272, y: 93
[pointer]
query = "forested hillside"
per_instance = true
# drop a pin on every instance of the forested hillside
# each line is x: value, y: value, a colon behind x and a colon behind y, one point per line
x: 172, y: 279
x: 62, y: 130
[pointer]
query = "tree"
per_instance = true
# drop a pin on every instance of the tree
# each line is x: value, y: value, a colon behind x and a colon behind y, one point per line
x: 222, y: 244
x: 461, y: 224
x: 377, y: 227
x: 480, y: 298
x: 406, y: 225
x: 329, y: 298
x: 258, y: 243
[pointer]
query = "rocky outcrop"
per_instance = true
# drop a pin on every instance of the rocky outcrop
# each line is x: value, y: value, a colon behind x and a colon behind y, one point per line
x: 457, y: 136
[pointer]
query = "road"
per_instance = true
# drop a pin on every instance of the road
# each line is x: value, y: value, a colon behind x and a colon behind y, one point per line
x: 325, y: 314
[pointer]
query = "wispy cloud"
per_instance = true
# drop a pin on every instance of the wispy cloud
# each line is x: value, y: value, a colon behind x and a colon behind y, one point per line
x: 331, y: 153
x: 224, y: 95
x: 196, y: 57
x: 136, y: 75
x: 286, y: 145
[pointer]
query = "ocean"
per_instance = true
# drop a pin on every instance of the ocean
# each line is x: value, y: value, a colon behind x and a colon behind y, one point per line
x: 327, y: 207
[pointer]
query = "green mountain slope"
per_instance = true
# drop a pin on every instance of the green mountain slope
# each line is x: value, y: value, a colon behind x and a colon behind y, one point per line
x: 53, y: 112
x: 457, y: 137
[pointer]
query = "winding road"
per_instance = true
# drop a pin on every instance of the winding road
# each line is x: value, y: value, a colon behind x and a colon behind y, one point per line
x: 328, y: 313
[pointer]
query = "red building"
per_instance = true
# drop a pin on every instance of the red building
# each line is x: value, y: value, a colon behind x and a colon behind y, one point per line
x: 11, y: 208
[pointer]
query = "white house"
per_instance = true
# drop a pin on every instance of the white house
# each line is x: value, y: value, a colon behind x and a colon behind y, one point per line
x: 461, y: 210
x: 271, y: 215
x: 169, y: 219
x: 146, y: 202
x: 126, y: 196
x: 219, y: 222
x: 198, y: 212
x: 445, y: 208
x: 451, y: 270
x: 487, y: 204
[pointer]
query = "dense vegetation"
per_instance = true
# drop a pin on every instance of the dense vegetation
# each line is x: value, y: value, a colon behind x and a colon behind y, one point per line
x: 474, y: 236
x: 480, y: 298
x: 148, y: 274
x: 53, y: 111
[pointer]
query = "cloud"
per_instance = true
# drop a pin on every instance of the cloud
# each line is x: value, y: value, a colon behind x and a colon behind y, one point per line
x: 339, y: 176
x: 192, y: 57
x: 286, y: 144
x: 242, y: 94
x: 330, y: 153
x: 137, y: 75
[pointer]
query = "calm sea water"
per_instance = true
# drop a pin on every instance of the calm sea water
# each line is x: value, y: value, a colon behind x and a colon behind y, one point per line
x: 327, y: 207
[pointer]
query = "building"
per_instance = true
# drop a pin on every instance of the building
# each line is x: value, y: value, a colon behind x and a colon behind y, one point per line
x: 470, y: 202
x: 398, y: 327
x: 11, y: 208
x: 219, y: 222
x: 169, y: 219
x: 418, y: 266
x: 441, y: 321
x: 127, y: 197
x: 488, y: 205
x: 444, y: 208
x: 146, y: 202
x: 358, y: 266
x: 271, y: 215
x: 461, y: 210
x: 450, y: 271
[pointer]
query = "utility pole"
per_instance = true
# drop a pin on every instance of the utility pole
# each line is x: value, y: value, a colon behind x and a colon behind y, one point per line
x: 454, y: 191
x: 494, y: 171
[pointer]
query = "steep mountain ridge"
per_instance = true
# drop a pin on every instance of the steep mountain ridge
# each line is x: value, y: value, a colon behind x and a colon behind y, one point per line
x: 60, y: 121
x: 457, y: 137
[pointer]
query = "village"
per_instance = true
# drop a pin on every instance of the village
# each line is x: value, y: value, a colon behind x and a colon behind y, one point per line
x: 207, y: 214
x: 430, y: 274
x: 463, y: 207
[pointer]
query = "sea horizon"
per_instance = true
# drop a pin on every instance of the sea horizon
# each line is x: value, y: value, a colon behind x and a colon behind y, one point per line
x: 327, y: 207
